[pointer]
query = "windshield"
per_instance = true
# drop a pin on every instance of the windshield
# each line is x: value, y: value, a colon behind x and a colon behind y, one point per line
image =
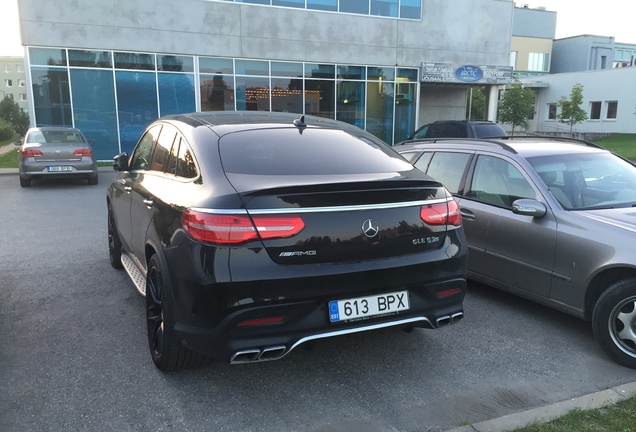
x: 47, y: 137
x: 588, y: 180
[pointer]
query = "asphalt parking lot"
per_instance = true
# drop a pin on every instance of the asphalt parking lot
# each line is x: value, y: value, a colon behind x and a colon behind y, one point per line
x: 73, y: 350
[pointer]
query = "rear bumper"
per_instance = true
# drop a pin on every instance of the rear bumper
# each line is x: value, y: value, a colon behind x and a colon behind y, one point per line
x: 40, y: 169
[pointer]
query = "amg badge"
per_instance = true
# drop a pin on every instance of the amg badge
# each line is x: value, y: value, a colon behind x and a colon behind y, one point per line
x: 297, y: 253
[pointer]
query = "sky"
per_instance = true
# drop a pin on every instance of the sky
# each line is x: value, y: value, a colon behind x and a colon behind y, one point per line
x: 574, y: 17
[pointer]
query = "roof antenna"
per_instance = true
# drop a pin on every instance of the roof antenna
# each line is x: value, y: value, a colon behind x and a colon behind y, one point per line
x: 300, y: 121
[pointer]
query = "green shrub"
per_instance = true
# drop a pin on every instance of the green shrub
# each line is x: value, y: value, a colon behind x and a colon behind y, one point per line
x: 6, y: 130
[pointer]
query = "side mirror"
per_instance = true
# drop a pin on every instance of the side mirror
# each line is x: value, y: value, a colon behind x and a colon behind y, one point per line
x: 17, y: 143
x: 120, y: 162
x: 529, y: 207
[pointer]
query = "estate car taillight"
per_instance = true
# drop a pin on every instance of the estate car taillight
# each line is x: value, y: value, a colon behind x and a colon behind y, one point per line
x: 83, y: 152
x: 31, y: 153
x: 237, y: 229
x: 441, y: 213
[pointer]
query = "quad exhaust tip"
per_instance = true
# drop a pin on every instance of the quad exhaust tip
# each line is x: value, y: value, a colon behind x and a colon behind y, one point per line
x: 257, y: 354
x: 449, y: 319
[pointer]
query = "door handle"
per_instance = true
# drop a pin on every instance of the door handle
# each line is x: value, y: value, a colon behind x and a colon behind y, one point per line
x: 467, y: 215
x: 128, y: 189
x: 149, y: 202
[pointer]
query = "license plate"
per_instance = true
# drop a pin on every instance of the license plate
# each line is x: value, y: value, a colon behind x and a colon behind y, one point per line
x: 60, y: 168
x: 365, y: 307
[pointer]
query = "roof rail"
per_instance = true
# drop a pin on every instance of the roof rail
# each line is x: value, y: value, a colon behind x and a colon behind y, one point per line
x: 488, y: 141
x: 554, y: 138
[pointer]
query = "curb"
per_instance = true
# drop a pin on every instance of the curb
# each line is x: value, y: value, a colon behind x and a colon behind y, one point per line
x: 550, y: 412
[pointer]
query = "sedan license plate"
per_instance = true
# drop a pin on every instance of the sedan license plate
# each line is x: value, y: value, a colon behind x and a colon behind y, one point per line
x: 365, y: 307
x: 60, y: 168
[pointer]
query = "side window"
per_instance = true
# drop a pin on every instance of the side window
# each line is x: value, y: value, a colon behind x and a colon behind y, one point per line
x: 163, y: 148
x: 185, y: 163
x: 421, y: 133
x: 171, y: 167
x: 498, y: 182
x: 409, y: 155
x: 448, y: 168
x: 141, y: 155
x: 422, y: 162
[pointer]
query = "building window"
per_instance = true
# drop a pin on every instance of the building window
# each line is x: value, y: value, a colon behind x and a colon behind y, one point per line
x: 21, y: 83
x: 552, y: 111
x: 8, y: 83
x: 10, y: 96
x: 612, y: 109
x: 19, y: 68
x: 23, y: 97
x: 513, y: 59
x: 595, y: 110
x: 603, y: 62
x: 6, y: 69
x: 539, y: 62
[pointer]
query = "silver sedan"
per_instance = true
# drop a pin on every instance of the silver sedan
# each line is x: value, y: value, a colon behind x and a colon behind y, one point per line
x: 56, y: 151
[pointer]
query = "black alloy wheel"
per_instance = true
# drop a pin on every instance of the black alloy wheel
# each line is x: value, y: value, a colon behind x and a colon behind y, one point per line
x: 614, y: 322
x: 167, y: 352
x: 114, y: 243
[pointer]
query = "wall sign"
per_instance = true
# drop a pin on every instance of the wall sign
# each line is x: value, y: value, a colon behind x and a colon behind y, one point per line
x: 465, y: 74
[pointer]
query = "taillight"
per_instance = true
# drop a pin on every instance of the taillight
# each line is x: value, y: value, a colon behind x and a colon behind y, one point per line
x: 446, y: 213
x: 31, y: 153
x: 237, y: 229
x: 83, y: 152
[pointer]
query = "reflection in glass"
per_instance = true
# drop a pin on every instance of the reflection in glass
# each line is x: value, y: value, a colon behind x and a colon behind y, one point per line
x: 319, y: 98
x: 51, y: 97
x: 380, y: 110
x: 387, y: 8
x: 325, y: 5
x: 287, y: 95
x: 252, y: 93
x: 134, y: 61
x: 83, y: 58
x: 94, y: 110
x: 47, y: 56
x: 217, y: 92
x: 320, y: 70
x: 172, y: 63
x: 350, y: 102
x: 285, y: 69
x: 137, y: 103
x: 404, y: 110
x: 176, y: 93
x: 252, y: 67
x: 355, y: 6
x: 216, y: 65
x: 411, y: 9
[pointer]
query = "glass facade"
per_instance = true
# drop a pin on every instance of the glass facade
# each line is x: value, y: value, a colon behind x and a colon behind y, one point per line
x: 402, y: 9
x: 113, y: 96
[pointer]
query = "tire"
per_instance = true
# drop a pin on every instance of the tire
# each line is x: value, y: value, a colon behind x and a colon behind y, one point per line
x: 168, y: 353
x: 25, y: 182
x: 114, y: 243
x: 614, y: 322
x: 93, y: 180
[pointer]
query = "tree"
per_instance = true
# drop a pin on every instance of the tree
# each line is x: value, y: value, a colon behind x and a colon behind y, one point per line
x: 476, y: 104
x: 13, y: 114
x: 517, y: 104
x: 571, y: 111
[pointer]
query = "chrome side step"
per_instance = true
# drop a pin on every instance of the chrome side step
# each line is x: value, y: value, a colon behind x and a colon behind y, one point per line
x: 136, y: 275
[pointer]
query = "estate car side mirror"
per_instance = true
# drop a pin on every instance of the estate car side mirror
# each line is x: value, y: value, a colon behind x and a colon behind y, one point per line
x: 529, y: 207
x: 17, y: 143
x: 120, y: 162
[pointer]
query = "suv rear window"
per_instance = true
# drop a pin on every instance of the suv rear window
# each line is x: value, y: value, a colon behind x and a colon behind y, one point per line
x: 484, y: 130
x: 312, y: 152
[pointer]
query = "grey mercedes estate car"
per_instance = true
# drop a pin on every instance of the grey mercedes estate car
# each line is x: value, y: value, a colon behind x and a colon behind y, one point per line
x: 550, y: 220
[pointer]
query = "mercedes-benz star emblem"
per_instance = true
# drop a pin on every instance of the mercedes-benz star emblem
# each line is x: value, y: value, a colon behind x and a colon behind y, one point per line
x: 370, y: 228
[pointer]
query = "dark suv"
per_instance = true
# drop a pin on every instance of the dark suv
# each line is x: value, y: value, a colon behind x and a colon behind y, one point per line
x: 459, y: 129
x: 549, y: 220
x: 252, y: 233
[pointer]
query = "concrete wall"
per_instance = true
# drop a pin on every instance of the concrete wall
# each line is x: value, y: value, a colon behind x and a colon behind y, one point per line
x: 442, y: 103
x: 581, y: 53
x: 602, y: 86
x: 535, y: 23
x: 468, y: 32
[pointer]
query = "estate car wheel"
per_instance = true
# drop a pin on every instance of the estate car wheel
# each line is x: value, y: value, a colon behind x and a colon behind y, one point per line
x: 25, y: 182
x: 168, y: 353
x: 614, y: 322
x: 114, y: 243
